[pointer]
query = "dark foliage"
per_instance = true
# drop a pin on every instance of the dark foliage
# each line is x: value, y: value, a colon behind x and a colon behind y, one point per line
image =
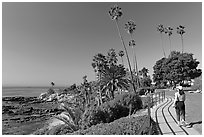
x: 112, y: 110
x: 122, y: 126
x: 175, y: 69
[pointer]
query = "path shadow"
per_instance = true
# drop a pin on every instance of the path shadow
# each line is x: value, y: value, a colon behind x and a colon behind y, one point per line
x: 194, y: 123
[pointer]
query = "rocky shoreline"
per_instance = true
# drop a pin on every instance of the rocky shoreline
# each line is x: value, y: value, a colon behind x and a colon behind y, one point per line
x: 24, y: 115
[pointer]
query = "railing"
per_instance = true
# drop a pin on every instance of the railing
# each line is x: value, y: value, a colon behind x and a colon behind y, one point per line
x: 153, y: 99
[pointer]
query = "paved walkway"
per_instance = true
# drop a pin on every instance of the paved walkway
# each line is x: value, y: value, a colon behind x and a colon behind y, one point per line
x: 164, y: 114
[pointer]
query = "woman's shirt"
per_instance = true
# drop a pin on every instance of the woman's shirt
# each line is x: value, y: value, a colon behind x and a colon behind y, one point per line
x: 179, y: 97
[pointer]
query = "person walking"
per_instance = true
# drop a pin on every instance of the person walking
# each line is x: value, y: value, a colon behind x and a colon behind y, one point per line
x: 179, y: 104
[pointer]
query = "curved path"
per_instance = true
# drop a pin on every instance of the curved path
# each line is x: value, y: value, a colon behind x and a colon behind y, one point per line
x: 165, y: 117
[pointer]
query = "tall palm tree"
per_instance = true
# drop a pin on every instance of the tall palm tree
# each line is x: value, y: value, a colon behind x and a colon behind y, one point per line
x: 121, y: 54
x: 180, y: 31
x: 168, y: 31
x: 160, y: 28
x: 130, y: 26
x: 115, y: 13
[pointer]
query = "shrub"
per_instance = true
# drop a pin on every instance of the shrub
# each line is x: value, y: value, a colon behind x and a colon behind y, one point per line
x: 61, y: 129
x: 122, y: 126
x: 112, y: 110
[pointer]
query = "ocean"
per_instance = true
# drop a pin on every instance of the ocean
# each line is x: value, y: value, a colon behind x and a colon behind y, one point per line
x: 23, y: 91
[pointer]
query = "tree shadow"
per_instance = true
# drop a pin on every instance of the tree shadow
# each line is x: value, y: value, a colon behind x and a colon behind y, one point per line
x: 193, y: 123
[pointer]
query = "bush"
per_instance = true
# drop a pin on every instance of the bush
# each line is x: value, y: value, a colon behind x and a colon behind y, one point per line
x: 123, y: 126
x: 112, y: 110
x: 61, y: 129
x: 91, y: 116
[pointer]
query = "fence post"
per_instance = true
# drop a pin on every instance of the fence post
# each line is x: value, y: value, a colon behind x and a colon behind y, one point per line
x: 164, y: 94
x: 159, y: 97
x: 156, y: 97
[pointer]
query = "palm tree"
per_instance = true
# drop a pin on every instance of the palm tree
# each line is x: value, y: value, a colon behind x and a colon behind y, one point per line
x: 130, y: 26
x: 160, y: 28
x: 95, y: 70
x: 180, y: 30
x: 87, y: 88
x: 99, y: 63
x: 115, y: 13
x: 52, y: 84
x: 144, y: 72
x: 168, y: 31
x: 111, y: 57
x: 112, y: 78
x: 121, y: 54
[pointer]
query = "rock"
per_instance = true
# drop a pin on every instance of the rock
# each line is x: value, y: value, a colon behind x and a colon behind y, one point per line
x: 52, y: 97
x: 15, y: 118
x: 66, y: 97
x: 42, y: 96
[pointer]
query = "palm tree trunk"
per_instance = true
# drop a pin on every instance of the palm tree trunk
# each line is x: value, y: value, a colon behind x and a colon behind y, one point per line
x: 170, y: 43
x: 100, y: 91
x: 133, y: 51
x: 162, y: 45
x: 126, y: 55
x: 135, y: 64
x: 122, y: 61
x: 138, y: 80
x: 182, y: 42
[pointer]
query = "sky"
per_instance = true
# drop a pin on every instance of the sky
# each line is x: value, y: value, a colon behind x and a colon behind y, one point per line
x: 44, y: 42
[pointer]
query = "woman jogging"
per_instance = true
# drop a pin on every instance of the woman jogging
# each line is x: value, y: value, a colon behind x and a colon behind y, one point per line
x: 179, y: 104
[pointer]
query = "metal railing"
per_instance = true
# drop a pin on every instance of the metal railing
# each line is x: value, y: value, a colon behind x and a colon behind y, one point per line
x: 153, y: 99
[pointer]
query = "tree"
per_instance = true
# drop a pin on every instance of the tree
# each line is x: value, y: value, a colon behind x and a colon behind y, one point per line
x: 99, y: 63
x: 175, y: 69
x: 144, y: 72
x: 130, y: 26
x: 111, y: 57
x: 146, y: 81
x: 158, y: 75
x: 111, y: 75
x: 121, y: 54
x: 112, y: 78
x: 180, y: 31
x: 52, y: 84
x: 115, y: 13
x: 168, y: 31
x: 160, y: 28
x: 86, y: 89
